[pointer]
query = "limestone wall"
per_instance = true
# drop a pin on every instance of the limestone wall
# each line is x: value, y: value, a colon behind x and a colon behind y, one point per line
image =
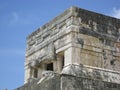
x: 76, y: 77
x: 51, y: 82
x: 79, y: 37
x: 77, y: 83
x: 81, y: 77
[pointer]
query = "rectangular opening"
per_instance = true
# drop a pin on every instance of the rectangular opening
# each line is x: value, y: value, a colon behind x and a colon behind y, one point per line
x: 50, y: 66
x: 35, y: 73
x: 62, y: 62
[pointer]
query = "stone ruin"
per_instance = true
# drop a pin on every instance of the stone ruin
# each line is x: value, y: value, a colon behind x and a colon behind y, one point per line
x: 77, y: 50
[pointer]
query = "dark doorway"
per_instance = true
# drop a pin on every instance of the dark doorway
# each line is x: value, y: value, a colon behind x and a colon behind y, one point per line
x: 35, y: 73
x: 62, y: 61
x: 50, y: 66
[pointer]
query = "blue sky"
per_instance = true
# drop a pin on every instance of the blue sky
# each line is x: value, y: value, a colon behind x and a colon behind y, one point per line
x: 18, y: 18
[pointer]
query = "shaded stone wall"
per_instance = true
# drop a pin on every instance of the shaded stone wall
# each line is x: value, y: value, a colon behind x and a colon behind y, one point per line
x: 77, y: 83
x: 74, y: 77
x: 69, y: 82
x: 51, y: 82
x: 81, y: 77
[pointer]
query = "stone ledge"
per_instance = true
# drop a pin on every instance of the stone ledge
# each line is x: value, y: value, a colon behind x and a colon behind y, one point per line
x: 85, y: 15
x: 94, y: 73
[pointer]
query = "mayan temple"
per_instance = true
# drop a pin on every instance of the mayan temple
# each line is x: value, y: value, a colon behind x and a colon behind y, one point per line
x: 77, y: 50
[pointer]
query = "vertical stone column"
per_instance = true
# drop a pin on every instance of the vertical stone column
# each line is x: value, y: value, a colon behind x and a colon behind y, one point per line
x: 68, y: 56
x: 27, y: 73
x: 40, y: 70
x: 43, y: 67
x: 76, y: 55
x: 55, y: 66
x: 59, y: 63
x: 72, y: 56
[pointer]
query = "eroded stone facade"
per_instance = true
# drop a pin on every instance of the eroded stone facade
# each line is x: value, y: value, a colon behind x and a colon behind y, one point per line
x: 76, y: 43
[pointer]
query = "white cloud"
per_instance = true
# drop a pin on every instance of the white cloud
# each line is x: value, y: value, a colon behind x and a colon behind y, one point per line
x: 116, y: 13
x: 22, y: 18
x: 14, y: 18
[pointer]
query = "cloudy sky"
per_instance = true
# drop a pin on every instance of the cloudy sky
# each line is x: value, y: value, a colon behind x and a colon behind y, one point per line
x: 19, y: 18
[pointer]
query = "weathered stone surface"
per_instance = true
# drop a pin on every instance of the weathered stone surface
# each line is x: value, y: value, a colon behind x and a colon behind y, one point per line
x: 78, y: 83
x: 74, y: 77
x: 81, y: 77
x: 92, y: 73
x: 84, y: 44
x: 51, y: 81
